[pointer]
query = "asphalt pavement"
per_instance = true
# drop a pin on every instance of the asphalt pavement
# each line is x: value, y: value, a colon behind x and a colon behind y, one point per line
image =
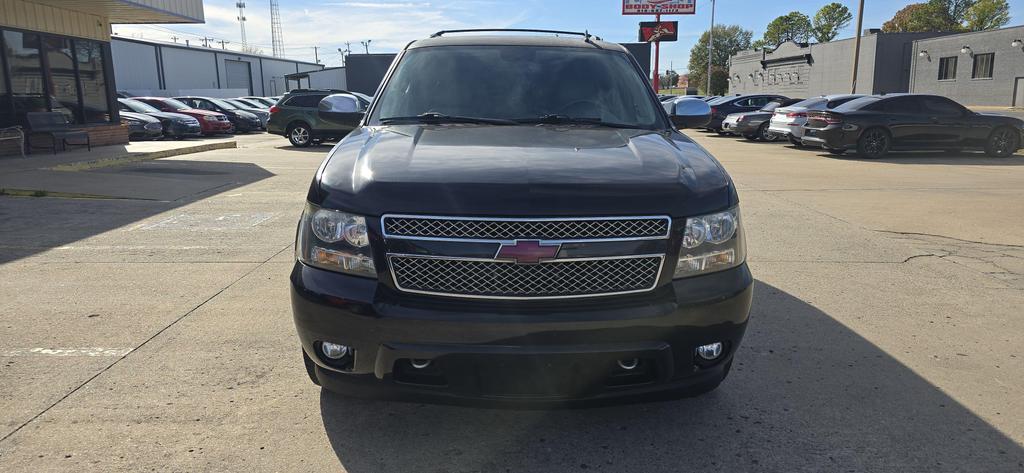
x: 153, y: 332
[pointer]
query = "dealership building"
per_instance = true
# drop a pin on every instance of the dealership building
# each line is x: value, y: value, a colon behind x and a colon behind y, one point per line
x: 55, y: 56
x: 981, y: 68
x: 806, y: 70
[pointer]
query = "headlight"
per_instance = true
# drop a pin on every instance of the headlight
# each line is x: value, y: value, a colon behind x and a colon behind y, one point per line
x: 335, y: 241
x: 210, y: 118
x: 132, y: 121
x: 711, y: 243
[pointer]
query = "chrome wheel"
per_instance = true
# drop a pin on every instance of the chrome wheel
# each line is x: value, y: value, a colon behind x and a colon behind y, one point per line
x: 765, y: 134
x: 299, y: 136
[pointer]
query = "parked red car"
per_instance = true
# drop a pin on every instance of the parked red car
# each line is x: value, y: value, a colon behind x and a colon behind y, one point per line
x: 210, y: 122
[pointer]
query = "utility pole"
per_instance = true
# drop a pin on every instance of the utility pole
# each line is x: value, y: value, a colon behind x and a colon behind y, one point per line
x: 366, y: 45
x: 223, y: 43
x: 711, y: 42
x: 206, y: 41
x: 241, y: 19
x: 345, y: 52
x: 856, y: 48
x: 174, y: 38
x: 316, y: 57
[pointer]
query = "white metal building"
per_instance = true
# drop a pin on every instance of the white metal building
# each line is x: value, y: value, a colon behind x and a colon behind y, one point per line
x: 144, y: 67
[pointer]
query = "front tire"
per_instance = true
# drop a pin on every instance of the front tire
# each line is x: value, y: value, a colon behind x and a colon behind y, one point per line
x: 300, y: 135
x: 796, y: 141
x: 874, y: 143
x: 1002, y: 143
x: 764, y: 134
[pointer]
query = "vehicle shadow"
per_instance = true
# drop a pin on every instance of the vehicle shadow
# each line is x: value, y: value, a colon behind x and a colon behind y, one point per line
x: 929, y: 157
x: 806, y: 394
x: 33, y: 225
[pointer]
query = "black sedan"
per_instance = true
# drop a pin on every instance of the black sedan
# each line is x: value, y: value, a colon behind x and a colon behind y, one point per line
x: 723, y: 106
x: 243, y: 121
x: 876, y: 124
x: 175, y: 125
x: 754, y: 125
x: 142, y: 126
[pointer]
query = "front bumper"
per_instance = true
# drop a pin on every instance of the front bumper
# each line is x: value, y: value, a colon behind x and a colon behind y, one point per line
x: 745, y: 127
x: 180, y: 129
x: 521, y: 353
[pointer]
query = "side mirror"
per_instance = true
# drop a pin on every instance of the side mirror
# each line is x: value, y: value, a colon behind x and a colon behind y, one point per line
x: 339, y: 109
x: 690, y: 113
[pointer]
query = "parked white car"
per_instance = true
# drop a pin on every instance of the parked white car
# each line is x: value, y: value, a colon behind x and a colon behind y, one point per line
x: 789, y: 121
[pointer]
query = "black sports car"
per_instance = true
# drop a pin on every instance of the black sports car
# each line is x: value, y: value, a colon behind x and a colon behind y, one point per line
x: 723, y: 106
x: 876, y: 124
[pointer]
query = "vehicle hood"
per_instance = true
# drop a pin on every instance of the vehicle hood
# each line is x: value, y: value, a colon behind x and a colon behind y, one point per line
x: 520, y: 170
x: 142, y: 117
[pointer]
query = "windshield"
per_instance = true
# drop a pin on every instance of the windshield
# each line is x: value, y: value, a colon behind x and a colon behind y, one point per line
x: 519, y: 83
x: 175, y: 104
x: 239, y: 103
x: 770, y: 106
x: 224, y: 104
x: 136, y: 106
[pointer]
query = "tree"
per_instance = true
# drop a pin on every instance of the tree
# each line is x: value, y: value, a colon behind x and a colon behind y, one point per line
x: 791, y: 26
x: 759, y: 44
x: 829, y: 20
x: 920, y: 17
x: 955, y: 9
x: 987, y: 15
x: 728, y: 40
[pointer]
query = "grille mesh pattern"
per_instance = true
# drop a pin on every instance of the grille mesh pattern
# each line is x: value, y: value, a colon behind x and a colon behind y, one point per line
x: 526, y: 229
x: 498, y: 279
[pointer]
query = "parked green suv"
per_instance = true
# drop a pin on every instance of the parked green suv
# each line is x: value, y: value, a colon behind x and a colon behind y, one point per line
x: 295, y: 117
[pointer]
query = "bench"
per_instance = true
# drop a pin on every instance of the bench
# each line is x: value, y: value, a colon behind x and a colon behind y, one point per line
x: 14, y: 133
x: 55, y: 126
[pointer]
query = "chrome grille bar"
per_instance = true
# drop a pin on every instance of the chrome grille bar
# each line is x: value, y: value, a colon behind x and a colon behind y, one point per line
x: 581, y: 229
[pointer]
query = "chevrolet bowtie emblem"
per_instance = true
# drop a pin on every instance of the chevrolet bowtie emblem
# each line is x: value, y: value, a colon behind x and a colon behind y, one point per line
x: 528, y: 251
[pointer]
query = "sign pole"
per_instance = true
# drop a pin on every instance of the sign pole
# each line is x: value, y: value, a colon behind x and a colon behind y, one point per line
x: 657, y: 54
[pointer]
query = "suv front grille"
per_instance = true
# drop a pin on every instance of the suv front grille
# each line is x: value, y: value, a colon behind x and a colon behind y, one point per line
x: 584, y: 228
x: 504, y: 280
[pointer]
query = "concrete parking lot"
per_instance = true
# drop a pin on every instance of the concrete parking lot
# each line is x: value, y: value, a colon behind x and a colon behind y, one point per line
x: 154, y: 332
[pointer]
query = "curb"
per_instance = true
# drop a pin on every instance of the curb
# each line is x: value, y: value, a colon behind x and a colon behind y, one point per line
x: 136, y: 157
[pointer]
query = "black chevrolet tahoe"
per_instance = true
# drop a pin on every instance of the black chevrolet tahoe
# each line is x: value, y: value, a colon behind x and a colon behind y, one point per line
x: 517, y: 222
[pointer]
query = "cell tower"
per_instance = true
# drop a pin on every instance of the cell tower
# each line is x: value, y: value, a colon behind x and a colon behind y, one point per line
x: 275, y: 29
x: 241, y: 19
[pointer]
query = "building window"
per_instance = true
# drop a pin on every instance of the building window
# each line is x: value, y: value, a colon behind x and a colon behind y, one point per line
x: 48, y: 73
x: 27, y: 91
x: 91, y: 61
x: 947, y: 68
x: 983, y: 66
x: 60, y: 65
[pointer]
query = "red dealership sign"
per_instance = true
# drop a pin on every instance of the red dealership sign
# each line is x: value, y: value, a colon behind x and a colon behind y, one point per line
x: 659, y: 7
x: 653, y: 31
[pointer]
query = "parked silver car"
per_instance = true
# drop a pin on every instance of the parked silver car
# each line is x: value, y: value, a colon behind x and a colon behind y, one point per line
x: 788, y: 121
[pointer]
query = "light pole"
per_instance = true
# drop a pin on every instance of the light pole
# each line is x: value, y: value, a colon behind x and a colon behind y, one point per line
x: 711, y: 37
x: 366, y: 45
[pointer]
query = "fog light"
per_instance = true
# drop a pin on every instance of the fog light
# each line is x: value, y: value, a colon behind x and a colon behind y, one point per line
x: 333, y: 350
x: 710, y: 352
x: 629, y: 364
x: 419, y: 364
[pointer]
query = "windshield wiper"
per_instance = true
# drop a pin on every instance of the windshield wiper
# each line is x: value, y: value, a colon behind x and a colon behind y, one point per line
x: 559, y: 119
x: 434, y: 117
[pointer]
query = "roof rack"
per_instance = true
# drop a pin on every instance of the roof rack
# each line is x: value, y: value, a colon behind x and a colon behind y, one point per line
x: 586, y: 34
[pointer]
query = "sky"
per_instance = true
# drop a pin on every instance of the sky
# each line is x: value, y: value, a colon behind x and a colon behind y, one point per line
x: 390, y: 24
